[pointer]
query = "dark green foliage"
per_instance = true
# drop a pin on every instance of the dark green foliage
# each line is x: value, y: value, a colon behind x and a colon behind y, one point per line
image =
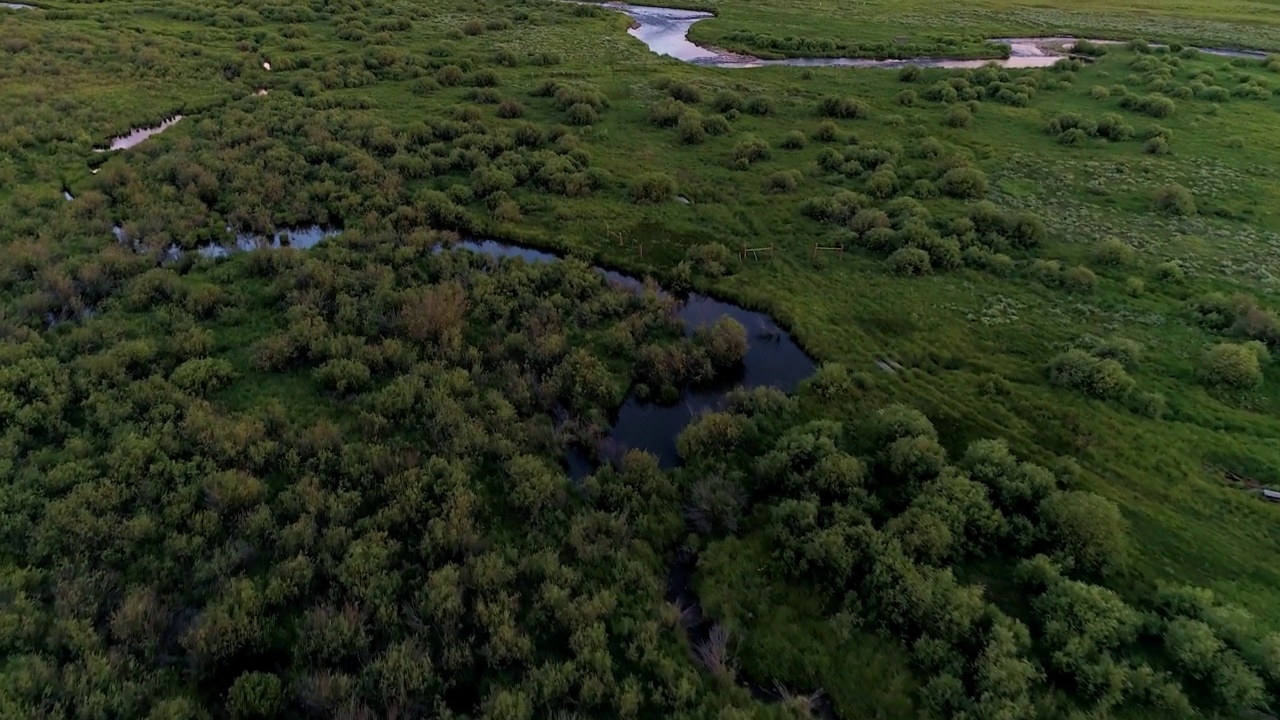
x: 844, y: 108
x: 1097, y: 377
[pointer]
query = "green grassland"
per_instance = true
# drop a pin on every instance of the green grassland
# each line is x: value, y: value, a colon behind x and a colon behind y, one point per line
x: 365, y: 126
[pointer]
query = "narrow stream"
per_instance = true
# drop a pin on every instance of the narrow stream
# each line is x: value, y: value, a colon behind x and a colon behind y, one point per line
x: 124, y: 142
x: 666, y: 32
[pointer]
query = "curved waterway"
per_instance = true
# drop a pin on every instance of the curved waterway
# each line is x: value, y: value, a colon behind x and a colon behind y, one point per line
x: 666, y: 32
x: 773, y: 359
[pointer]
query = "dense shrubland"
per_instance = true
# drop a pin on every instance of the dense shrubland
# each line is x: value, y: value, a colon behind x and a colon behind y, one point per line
x: 330, y: 483
x: 872, y: 515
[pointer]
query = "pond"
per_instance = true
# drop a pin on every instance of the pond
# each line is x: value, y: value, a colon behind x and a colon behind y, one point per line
x: 17, y: 6
x: 666, y: 32
x: 124, y: 142
x: 773, y: 359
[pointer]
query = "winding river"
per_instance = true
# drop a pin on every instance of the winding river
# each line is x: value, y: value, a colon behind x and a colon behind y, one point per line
x: 773, y: 359
x: 666, y: 32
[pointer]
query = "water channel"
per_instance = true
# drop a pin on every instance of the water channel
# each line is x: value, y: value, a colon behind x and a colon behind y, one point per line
x: 666, y: 32
x: 137, y: 135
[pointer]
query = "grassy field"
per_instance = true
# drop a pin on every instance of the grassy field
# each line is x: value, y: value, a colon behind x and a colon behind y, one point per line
x: 352, y: 94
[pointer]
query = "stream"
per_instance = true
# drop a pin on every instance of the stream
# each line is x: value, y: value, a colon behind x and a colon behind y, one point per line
x: 137, y: 135
x: 666, y: 32
x: 773, y: 359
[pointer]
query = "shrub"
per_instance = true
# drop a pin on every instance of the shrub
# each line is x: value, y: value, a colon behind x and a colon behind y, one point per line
x: 793, y: 140
x: 510, y: 109
x: 724, y: 102
x: 450, y: 76
x: 1099, y: 92
x: 666, y: 112
x: 1148, y: 404
x: 684, y: 92
x: 1134, y: 286
x: 750, y: 150
x: 883, y: 183
x: 1113, y: 127
x: 1079, y: 279
x: 1156, y: 146
x: 910, y: 261
x: 484, y: 78
x: 1154, y: 105
x: 582, y: 114
x: 826, y: 131
x: 1213, y: 93
x: 783, y: 181
x: 1171, y: 272
x: 760, y: 105
x: 690, y: 129
x: 1175, y: 200
x: 652, y: 188
x: 1233, y: 365
x: 963, y: 183
x: 908, y: 97
x: 1112, y: 252
x: 716, y: 125
x: 1087, y: 531
x: 1091, y: 49
x: 910, y: 73
x: 256, y: 694
x: 958, y: 117
x: 1096, y: 377
x: 712, y: 259
x: 1075, y: 137
x: 845, y: 108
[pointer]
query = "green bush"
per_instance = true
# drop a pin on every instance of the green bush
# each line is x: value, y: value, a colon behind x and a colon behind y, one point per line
x: 690, y: 129
x: 845, y: 108
x: 908, y: 98
x: 1096, y: 377
x: 963, y: 182
x: 1233, y: 365
x: 1079, y: 279
x: 909, y: 73
x: 510, y: 109
x: 910, y: 261
x: 256, y: 695
x: 652, y: 188
x: 794, y: 140
x: 1171, y: 272
x: 826, y: 131
x: 1113, y: 252
x: 958, y: 117
x: 684, y: 92
x: 582, y: 114
x: 760, y: 105
x: 750, y: 150
x: 783, y: 181
x: 725, y: 101
x: 1175, y: 200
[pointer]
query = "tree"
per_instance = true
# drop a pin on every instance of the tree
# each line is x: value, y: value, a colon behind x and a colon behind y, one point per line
x: 1086, y: 530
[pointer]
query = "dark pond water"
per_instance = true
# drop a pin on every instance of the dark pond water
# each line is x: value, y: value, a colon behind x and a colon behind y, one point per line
x: 665, y: 31
x: 773, y: 359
